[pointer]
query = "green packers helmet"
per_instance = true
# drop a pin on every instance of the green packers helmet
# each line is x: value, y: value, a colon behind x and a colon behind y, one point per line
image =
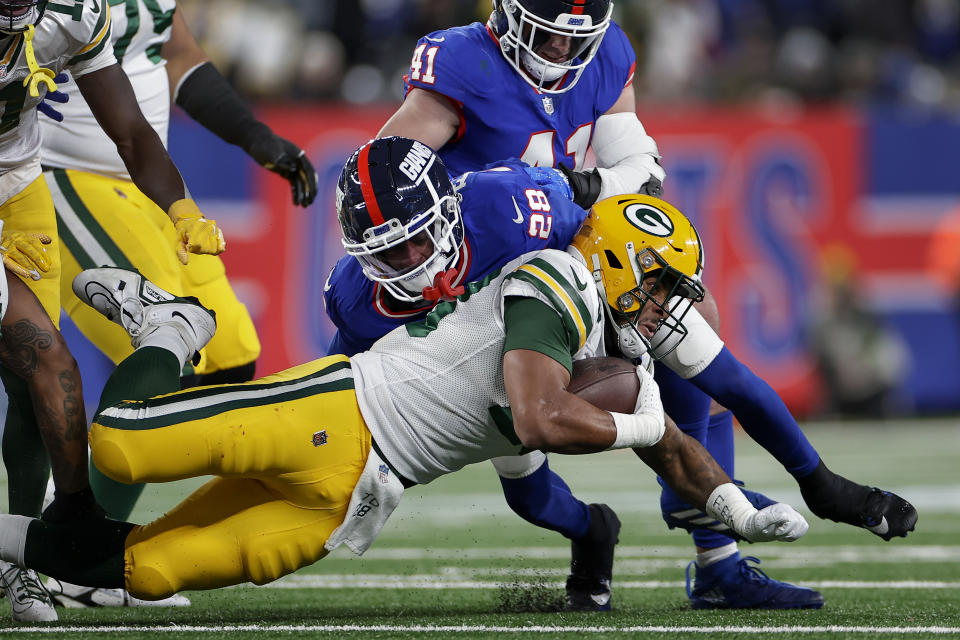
x: 628, y: 239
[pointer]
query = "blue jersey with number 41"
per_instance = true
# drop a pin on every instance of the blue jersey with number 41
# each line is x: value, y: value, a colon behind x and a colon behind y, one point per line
x: 507, y: 210
x: 501, y: 116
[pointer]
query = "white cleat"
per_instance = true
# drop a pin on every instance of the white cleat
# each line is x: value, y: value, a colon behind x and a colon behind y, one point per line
x: 74, y: 596
x: 29, y: 599
x: 142, y: 308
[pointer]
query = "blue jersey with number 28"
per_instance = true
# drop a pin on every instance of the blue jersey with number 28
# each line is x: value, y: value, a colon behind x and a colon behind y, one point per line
x: 501, y: 116
x: 507, y: 210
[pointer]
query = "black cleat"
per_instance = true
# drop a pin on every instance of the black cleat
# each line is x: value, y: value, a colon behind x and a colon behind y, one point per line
x: 591, y: 563
x: 833, y: 497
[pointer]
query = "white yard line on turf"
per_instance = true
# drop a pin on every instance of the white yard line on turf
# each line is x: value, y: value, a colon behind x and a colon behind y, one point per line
x: 263, y: 628
x: 435, y: 581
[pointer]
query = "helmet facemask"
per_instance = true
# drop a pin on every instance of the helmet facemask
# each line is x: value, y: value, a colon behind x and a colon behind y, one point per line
x: 17, y: 15
x: 439, y: 227
x: 526, y: 33
x: 662, y: 288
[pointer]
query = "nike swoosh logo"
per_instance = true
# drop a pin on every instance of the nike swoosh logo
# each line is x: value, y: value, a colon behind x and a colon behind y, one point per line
x: 519, y: 218
x: 96, y: 6
x: 580, y: 285
x: 177, y: 314
x: 440, y: 39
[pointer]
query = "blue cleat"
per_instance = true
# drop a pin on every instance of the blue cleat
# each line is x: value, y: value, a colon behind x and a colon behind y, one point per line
x: 733, y: 583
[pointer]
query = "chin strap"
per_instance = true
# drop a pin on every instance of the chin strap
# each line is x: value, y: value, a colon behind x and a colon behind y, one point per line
x: 443, y: 288
x: 37, y: 73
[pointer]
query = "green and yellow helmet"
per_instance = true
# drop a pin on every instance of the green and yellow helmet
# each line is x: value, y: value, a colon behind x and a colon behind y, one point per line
x: 629, y: 238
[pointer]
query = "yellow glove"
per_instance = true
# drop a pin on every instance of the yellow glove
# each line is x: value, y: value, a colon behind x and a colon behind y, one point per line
x: 24, y: 253
x: 195, y: 234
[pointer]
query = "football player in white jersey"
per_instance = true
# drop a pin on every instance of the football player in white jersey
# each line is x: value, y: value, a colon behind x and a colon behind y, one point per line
x: 39, y: 39
x: 104, y: 219
x: 289, y: 489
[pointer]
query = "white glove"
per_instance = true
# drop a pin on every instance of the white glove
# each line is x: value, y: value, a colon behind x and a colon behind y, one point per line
x: 648, y: 400
x: 779, y: 521
x: 645, y: 426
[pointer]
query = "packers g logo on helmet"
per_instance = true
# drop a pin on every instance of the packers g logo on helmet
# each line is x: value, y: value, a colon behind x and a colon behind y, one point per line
x: 629, y: 238
x: 648, y: 219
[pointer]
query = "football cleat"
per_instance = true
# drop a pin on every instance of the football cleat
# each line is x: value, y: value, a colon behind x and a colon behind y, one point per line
x: 833, y: 497
x: 591, y: 564
x: 734, y: 583
x: 142, y: 308
x: 29, y: 599
x: 74, y: 596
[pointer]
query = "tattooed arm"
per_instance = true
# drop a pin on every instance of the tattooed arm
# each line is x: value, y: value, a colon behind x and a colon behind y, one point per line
x: 684, y: 464
x: 33, y: 349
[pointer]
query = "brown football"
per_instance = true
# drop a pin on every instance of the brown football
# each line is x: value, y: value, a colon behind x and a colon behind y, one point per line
x: 608, y: 383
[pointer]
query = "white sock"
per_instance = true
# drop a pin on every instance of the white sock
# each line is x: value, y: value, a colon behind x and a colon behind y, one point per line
x: 167, y: 337
x: 713, y: 556
x: 13, y: 537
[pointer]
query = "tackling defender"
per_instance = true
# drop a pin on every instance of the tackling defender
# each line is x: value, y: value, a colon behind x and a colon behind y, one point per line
x: 546, y: 80
x: 506, y: 211
x: 289, y: 489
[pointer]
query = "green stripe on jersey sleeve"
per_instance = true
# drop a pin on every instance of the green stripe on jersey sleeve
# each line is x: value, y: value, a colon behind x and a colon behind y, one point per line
x: 532, y: 324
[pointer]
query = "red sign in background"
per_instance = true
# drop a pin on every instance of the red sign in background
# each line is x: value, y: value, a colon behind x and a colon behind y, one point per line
x: 770, y: 193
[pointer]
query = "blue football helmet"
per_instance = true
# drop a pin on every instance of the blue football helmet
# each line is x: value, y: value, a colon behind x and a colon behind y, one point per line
x: 393, y: 194
x: 16, y: 15
x: 525, y: 26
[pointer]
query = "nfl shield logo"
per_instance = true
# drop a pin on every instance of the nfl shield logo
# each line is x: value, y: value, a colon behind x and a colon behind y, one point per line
x: 548, y: 105
x: 320, y: 438
x: 384, y: 471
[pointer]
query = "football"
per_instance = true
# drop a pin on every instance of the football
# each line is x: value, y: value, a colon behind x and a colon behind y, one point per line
x: 608, y: 383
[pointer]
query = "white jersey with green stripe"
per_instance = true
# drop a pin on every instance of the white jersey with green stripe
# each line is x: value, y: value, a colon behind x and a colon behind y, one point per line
x: 140, y: 29
x: 432, y: 391
x: 72, y: 34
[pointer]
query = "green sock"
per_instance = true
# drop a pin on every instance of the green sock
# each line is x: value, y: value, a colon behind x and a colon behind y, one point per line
x: 24, y: 454
x: 147, y: 372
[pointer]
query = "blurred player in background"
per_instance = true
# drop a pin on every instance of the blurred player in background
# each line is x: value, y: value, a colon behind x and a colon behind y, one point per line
x: 544, y: 81
x: 428, y: 399
x: 104, y: 219
x: 40, y: 39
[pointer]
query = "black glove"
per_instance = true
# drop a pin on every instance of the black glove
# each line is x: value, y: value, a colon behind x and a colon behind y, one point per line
x: 289, y: 161
x: 653, y: 187
x: 73, y: 507
x: 585, y: 185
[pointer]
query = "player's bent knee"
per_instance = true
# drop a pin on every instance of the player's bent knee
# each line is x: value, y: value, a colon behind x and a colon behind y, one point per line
x: 151, y: 582
x: 109, y: 456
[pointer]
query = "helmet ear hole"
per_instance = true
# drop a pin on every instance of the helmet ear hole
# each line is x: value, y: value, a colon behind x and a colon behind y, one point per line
x: 612, y: 259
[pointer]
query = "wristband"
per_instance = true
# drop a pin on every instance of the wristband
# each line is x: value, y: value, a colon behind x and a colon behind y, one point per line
x: 636, y: 430
x: 728, y: 505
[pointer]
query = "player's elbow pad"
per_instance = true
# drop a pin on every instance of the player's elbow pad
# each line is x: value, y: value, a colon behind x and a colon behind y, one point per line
x: 626, y: 155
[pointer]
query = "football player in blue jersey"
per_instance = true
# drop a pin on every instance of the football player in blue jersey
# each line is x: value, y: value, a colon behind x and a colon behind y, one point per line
x: 546, y: 80
x: 407, y: 261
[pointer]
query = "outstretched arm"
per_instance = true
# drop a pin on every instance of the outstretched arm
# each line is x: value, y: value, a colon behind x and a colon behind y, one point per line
x: 197, y: 86
x: 113, y: 103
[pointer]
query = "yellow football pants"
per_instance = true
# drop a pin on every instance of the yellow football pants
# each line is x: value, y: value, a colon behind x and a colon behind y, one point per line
x: 288, y: 450
x: 30, y: 211
x: 107, y: 222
